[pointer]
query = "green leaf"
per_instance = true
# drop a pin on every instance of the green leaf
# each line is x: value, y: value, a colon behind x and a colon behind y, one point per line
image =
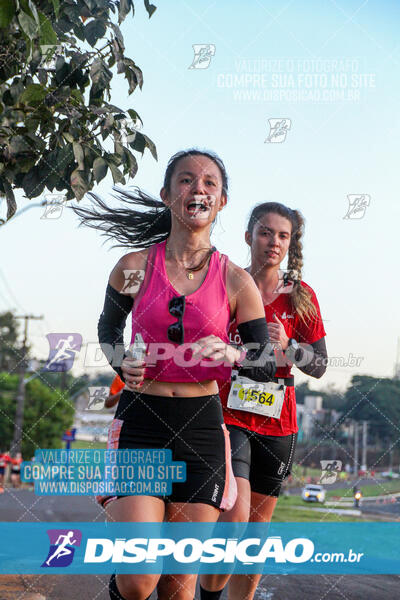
x: 99, y: 169
x: 32, y: 183
x: 134, y: 115
x: 7, y: 12
x: 79, y: 183
x: 78, y: 96
x: 139, y: 75
x: 118, y: 35
x: 123, y: 9
x: 139, y: 143
x: 33, y: 94
x: 16, y: 89
x: 48, y: 36
x: 79, y: 155
x: 18, y: 145
x: 118, y: 148
x: 11, y: 204
x: 38, y: 144
x: 111, y: 61
x: 28, y: 25
x: 109, y: 122
x: 132, y: 162
x: 68, y: 136
x: 56, y: 5
x: 151, y: 146
x: 62, y: 70
x: 34, y: 12
x: 91, y: 153
x: 64, y: 160
x: 132, y: 72
x: 150, y: 7
x: 116, y: 173
x: 100, y: 76
x: 42, y: 76
x: 95, y: 30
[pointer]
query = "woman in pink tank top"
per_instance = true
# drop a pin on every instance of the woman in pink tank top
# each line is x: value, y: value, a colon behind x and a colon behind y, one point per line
x: 182, y: 294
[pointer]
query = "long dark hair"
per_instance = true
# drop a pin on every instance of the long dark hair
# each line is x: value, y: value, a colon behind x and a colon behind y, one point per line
x: 300, y: 296
x: 141, y: 228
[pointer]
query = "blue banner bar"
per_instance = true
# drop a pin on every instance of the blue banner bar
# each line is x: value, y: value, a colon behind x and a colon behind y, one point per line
x: 295, y: 548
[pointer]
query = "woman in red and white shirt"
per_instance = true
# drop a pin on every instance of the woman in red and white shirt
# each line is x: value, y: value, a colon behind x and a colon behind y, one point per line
x: 16, y: 470
x: 4, y: 460
x: 263, y: 446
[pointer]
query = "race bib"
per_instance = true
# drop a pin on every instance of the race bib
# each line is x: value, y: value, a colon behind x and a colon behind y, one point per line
x: 256, y: 397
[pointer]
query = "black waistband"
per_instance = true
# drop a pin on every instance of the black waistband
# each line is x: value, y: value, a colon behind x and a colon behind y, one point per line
x: 288, y: 381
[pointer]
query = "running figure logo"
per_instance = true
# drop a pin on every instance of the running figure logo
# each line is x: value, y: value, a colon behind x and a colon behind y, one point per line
x: 61, y: 551
x: 63, y: 347
x: 54, y: 204
x: 357, y: 205
x: 286, y: 280
x: 330, y: 470
x: 133, y: 280
x: 97, y: 398
x: 202, y: 55
x: 278, y: 129
x: 128, y: 130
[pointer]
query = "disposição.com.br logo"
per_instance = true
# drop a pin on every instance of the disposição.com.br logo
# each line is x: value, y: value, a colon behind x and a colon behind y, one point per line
x: 62, y: 547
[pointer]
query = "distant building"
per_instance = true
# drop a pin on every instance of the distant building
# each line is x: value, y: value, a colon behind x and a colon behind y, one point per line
x: 313, y: 402
x: 311, y: 417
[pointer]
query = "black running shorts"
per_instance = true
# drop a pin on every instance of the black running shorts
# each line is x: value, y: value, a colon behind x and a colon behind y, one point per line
x: 193, y: 429
x: 265, y: 460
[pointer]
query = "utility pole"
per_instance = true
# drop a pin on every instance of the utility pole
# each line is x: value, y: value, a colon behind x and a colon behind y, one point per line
x: 19, y: 413
x: 355, y: 449
x: 63, y: 380
x: 364, y: 445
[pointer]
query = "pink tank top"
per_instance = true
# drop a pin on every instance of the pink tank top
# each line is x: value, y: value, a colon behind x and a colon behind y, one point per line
x: 206, y: 313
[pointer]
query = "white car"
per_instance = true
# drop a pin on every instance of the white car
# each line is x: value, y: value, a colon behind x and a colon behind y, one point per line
x: 313, y: 493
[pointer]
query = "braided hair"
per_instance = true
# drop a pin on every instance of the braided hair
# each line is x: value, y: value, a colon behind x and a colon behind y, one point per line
x: 300, y: 296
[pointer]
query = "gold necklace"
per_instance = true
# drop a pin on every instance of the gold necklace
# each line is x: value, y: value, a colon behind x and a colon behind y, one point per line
x: 190, y: 271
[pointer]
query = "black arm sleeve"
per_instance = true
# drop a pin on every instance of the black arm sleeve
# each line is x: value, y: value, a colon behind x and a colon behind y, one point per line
x: 111, y: 327
x: 259, y: 363
x: 312, y: 362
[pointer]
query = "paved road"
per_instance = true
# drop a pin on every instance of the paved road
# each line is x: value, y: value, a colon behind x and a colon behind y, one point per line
x: 391, y: 511
x: 24, y: 506
x: 272, y: 587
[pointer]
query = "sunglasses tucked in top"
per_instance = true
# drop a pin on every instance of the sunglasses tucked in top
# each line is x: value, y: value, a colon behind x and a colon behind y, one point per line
x: 176, y: 331
x: 204, y: 312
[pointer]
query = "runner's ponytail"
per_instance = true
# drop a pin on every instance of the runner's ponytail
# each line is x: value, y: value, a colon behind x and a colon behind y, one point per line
x: 300, y: 297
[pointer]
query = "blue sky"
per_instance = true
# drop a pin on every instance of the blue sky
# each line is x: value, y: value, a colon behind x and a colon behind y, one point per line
x: 336, y: 146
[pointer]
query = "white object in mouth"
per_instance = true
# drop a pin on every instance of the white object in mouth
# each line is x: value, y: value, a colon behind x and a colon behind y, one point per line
x: 201, y: 205
x: 208, y: 199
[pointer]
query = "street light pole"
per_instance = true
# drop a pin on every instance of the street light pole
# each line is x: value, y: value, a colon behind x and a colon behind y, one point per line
x: 356, y: 448
x: 364, y: 445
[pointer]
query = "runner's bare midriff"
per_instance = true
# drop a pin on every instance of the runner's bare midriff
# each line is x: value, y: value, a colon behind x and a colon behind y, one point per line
x: 179, y: 389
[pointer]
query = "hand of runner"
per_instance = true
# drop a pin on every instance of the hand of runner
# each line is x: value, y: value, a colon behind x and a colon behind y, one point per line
x: 277, y: 333
x: 214, y: 348
x: 133, y: 372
